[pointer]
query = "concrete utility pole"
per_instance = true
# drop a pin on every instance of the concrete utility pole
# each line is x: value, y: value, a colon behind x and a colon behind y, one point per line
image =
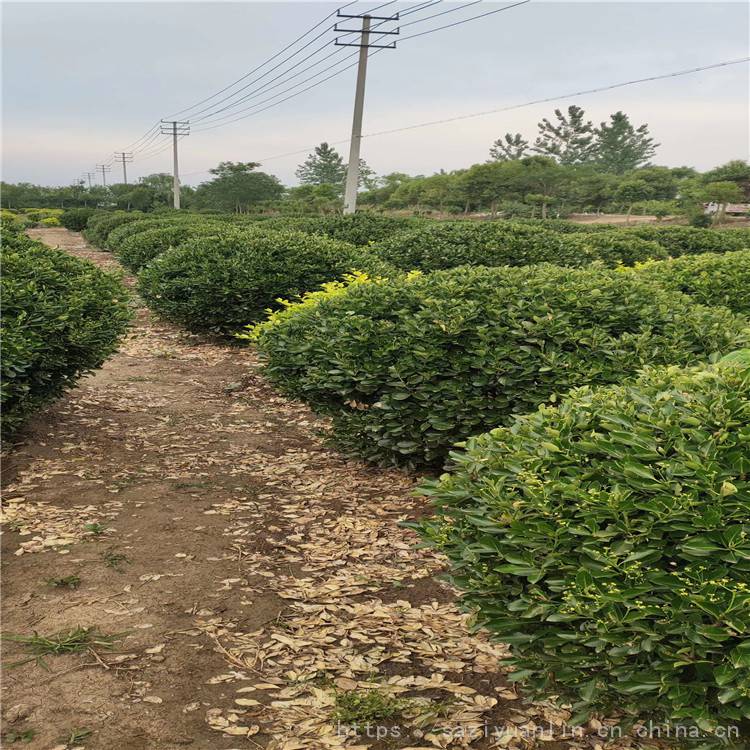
x: 124, y: 157
x: 104, y: 168
x: 352, y: 169
x: 89, y: 176
x: 175, y: 128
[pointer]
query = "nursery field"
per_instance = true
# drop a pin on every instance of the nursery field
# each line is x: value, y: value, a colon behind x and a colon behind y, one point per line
x: 225, y: 519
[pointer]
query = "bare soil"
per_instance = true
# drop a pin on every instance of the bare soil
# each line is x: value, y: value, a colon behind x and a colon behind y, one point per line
x: 250, y: 575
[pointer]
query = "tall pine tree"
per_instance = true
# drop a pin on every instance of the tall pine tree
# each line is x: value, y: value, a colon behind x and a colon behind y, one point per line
x: 323, y: 167
x: 620, y: 147
x: 510, y: 147
x: 569, y: 140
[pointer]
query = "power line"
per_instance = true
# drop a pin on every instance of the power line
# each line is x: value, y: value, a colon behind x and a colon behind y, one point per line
x: 599, y: 89
x: 194, y: 117
x: 545, y: 100
x: 251, y: 111
x: 262, y: 65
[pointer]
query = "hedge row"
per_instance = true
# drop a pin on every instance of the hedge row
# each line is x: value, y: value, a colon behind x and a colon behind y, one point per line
x: 408, y: 367
x: 710, y: 278
x: 76, y: 219
x: 443, y: 245
x: 61, y: 317
x: 223, y: 282
x: 99, y: 226
x: 608, y: 541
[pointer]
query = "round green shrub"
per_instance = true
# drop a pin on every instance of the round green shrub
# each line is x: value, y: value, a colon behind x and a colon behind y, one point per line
x: 75, y: 219
x: 690, y: 240
x: 443, y: 245
x: 608, y: 541
x: 225, y: 282
x: 615, y: 248
x: 357, y: 229
x: 141, y: 247
x: 119, y: 234
x: 61, y: 317
x: 409, y: 367
x: 50, y: 221
x: 710, y: 278
x: 158, y: 221
x: 99, y: 226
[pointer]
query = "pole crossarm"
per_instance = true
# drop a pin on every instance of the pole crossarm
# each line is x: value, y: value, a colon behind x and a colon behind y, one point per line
x: 362, y: 15
x: 358, y: 31
x: 392, y: 45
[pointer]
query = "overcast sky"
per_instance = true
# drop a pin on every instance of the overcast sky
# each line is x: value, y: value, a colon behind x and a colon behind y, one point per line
x: 81, y: 80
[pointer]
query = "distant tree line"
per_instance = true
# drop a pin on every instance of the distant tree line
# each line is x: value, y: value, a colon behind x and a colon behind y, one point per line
x: 571, y: 165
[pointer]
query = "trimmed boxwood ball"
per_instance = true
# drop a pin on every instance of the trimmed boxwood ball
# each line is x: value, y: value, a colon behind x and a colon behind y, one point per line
x: 358, y: 229
x: 76, y: 218
x: 407, y: 368
x: 608, y: 541
x: 709, y: 278
x: 690, y: 240
x: 98, y: 226
x: 140, y: 248
x: 440, y: 246
x: 116, y: 237
x: 224, y: 282
x: 615, y: 248
x: 61, y: 317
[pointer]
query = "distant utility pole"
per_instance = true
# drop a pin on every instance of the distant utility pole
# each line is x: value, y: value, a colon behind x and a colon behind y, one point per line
x: 124, y: 157
x: 104, y: 168
x: 352, y: 170
x: 175, y: 128
x: 89, y: 176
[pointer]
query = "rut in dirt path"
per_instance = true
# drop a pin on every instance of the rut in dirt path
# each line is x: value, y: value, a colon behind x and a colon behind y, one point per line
x: 251, y: 575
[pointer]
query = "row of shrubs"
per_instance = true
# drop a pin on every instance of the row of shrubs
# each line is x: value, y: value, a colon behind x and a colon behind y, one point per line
x: 603, y: 532
x: 61, y: 318
x: 409, y: 366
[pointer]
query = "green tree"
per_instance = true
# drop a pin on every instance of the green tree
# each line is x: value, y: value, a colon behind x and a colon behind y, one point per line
x: 323, y: 199
x: 736, y: 171
x: 620, y: 147
x: 510, y: 147
x: 237, y: 187
x: 322, y: 167
x: 569, y: 140
x: 722, y: 192
x: 631, y: 191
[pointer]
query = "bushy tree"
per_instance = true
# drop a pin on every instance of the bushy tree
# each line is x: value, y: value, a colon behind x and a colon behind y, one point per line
x: 569, y: 140
x: 237, y: 186
x: 510, y: 147
x: 620, y: 147
x: 322, y: 167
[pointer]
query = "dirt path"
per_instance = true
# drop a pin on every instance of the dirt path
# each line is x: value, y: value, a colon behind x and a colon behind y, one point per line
x: 252, y: 574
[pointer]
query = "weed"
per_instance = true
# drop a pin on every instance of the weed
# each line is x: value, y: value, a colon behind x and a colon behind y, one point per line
x: 95, y: 529
x: 114, y: 560
x: 70, y: 641
x: 69, y: 582
x: 76, y: 736
x: 360, y: 707
x: 27, y: 735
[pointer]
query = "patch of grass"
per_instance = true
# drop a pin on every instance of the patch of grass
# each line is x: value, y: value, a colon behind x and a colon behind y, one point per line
x: 362, y: 706
x: 70, y: 641
x: 26, y: 735
x: 113, y: 559
x: 66, y: 582
x: 76, y: 736
x: 95, y: 529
